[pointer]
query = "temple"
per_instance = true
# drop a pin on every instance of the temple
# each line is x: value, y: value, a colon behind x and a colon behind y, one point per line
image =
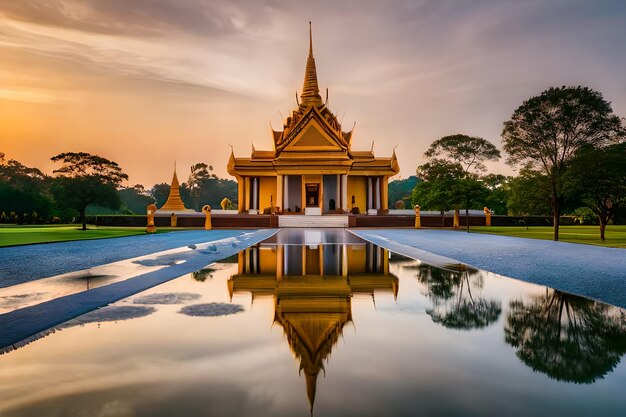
x: 312, y: 168
x: 174, y: 204
x: 312, y: 287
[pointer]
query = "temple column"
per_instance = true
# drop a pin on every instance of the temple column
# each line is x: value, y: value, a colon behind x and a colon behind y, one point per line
x: 377, y: 191
x: 344, y: 191
x: 255, y: 192
x: 279, y: 191
x: 369, y: 193
x: 241, y: 198
x: 247, y: 193
x: 338, y: 193
x: 286, y: 193
x: 385, y: 187
x: 303, y: 193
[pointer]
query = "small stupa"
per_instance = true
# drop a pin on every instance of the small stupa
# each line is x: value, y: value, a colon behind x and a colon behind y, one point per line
x: 174, y: 203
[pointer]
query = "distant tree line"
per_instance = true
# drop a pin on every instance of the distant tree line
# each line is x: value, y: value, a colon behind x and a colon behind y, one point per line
x: 569, y: 146
x: 86, y: 184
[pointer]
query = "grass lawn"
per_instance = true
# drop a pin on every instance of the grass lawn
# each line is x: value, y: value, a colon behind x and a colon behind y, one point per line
x: 11, y: 235
x: 615, y: 235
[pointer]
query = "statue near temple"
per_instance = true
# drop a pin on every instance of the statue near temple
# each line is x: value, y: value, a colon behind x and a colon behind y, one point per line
x: 150, y: 210
x: 418, y: 220
x: 206, y: 209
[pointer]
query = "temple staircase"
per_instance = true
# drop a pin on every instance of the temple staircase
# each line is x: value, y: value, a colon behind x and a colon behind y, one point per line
x: 312, y: 221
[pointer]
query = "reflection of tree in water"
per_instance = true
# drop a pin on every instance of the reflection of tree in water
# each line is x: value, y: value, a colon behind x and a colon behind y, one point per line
x: 454, y: 305
x: 201, y: 275
x: 569, y: 338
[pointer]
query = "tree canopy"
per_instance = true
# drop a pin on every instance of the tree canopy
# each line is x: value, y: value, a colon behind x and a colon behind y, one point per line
x: 86, y: 179
x: 597, y: 177
x: 469, y: 151
x: 546, y: 131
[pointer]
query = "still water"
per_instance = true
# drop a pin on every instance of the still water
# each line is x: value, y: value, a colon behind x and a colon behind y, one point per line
x: 323, y: 323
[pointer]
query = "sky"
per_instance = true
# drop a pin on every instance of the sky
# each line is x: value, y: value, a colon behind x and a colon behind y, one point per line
x: 147, y: 83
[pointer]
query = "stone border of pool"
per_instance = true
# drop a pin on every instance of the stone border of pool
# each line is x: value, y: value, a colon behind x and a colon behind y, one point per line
x: 594, y: 272
x: 22, y: 326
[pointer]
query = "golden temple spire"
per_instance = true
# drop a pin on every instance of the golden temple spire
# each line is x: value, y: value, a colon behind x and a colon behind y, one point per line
x: 174, y: 202
x: 310, y: 90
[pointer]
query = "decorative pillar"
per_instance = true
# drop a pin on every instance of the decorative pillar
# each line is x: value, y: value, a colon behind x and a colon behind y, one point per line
x: 241, y: 198
x: 247, y: 193
x: 338, y: 194
x: 285, y: 192
x: 344, y: 260
x: 377, y: 194
x: 255, y: 193
x: 369, y: 193
x: 455, y: 222
x: 385, y: 192
x: 303, y: 193
x: 279, y: 192
x: 344, y: 192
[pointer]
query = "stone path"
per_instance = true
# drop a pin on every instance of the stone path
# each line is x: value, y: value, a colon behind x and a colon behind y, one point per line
x: 20, y: 264
x: 20, y: 326
x: 591, y: 271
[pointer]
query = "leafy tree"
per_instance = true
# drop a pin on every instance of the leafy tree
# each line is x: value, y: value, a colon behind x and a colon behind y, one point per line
x: 569, y: 338
x: 529, y: 194
x: 160, y: 192
x: 454, y: 305
x: 135, y: 198
x: 203, y: 187
x: 401, y: 190
x: 597, y: 176
x: 498, y: 192
x: 23, y: 191
x: 546, y: 131
x: 471, y: 152
x: 436, y: 191
x: 86, y: 179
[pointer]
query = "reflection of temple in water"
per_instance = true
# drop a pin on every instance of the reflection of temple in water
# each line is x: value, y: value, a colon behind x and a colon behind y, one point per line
x: 312, y: 287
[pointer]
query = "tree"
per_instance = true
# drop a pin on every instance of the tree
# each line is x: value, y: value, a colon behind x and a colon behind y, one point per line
x: 86, y: 179
x: 546, y: 131
x: 160, y: 192
x: 23, y: 191
x: 597, y: 176
x: 203, y: 187
x: 401, y: 190
x: 454, y: 305
x: 135, y: 198
x: 436, y: 190
x: 498, y: 192
x: 471, y: 152
x: 529, y: 194
x: 567, y: 337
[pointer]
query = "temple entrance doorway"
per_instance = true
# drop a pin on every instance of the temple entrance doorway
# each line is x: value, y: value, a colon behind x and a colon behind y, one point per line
x: 312, y: 194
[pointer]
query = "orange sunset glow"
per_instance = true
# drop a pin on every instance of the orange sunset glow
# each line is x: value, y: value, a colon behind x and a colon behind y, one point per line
x: 148, y: 83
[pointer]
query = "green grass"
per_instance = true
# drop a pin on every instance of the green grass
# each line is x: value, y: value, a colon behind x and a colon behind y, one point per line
x: 11, y: 235
x: 615, y: 235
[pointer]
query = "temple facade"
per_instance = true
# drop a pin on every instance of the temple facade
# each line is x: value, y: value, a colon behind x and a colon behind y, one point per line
x: 312, y: 168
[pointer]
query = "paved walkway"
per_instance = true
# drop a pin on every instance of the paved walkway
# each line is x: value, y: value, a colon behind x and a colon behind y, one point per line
x: 591, y: 271
x: 20, y: 264
x: 23, y: 325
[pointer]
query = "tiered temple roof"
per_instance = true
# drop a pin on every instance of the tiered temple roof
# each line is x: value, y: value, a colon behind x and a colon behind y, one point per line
x: 312, y: 139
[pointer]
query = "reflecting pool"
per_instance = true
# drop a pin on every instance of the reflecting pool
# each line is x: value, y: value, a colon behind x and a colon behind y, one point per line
x: 321, y: 322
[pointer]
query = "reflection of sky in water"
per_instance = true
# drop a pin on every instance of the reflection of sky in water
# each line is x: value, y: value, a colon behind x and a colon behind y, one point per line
x: 391, y: 358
